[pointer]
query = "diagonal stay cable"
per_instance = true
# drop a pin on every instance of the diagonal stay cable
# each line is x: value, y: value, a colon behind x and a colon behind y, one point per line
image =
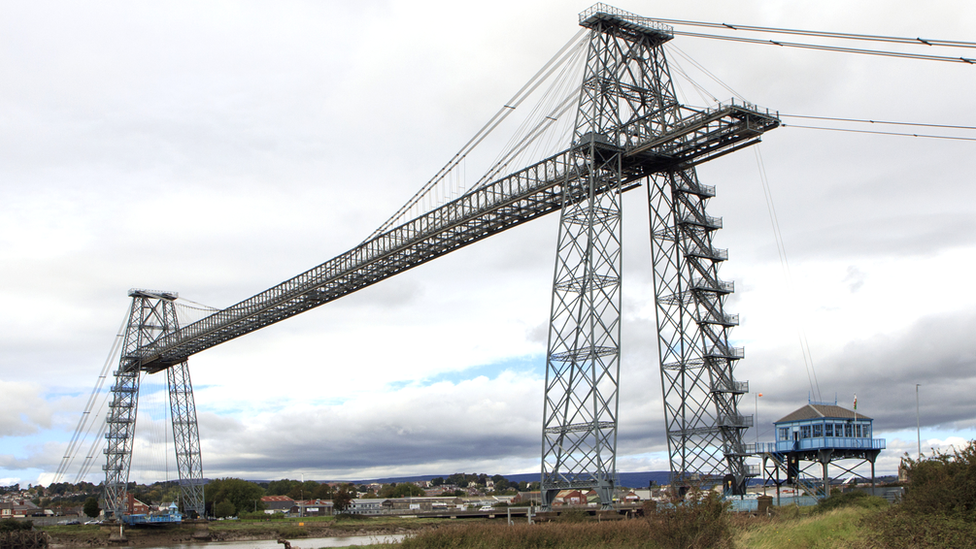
x: 543, y: 73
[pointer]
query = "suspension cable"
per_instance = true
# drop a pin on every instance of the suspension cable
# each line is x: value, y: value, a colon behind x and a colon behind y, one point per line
x: 560, y: 101
x: 516, y: 100
x: 873, y: 132
x: 826, y: 34
x: 787, y: 273
x: 87, y: 419
x: 822, y: 47
x: 704, y: 70
x: 868, y: 120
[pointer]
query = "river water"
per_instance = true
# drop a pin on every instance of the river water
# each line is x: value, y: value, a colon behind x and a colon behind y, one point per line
x: 298, y: 543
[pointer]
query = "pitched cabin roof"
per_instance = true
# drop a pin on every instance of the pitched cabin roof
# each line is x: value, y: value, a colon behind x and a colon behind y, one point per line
x: 817, y: 411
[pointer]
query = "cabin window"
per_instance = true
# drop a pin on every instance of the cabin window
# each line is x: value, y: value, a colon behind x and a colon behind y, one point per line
x: 857, y: 430
x: 784, y: 433
x: 866, y: 430
x: 817, y: 430
x: 805, y: 431
x: 829, y: 430
x: 847, y: 430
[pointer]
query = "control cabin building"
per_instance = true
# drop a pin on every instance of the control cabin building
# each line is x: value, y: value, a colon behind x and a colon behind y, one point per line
x: 825, y: 426
x: 824, y: 433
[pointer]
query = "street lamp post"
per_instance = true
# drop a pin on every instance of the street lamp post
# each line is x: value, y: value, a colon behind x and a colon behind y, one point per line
x: 756, y: 420
x: 918, y: 423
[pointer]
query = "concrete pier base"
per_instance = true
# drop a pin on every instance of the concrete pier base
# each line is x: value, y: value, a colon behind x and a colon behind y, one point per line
x: 201, y: 528
x: 116, y: 533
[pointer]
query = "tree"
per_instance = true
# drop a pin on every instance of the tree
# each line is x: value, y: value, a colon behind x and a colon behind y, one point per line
x: 458, y: 479
x: 224, y: 509
x: 242, y: 494
x: 303, y: 490
x: 501, y: 483
x: 437, y: 481
x: 401, y: 490
x: 341, y: 500
x: 323, y: 491
x: 407, y: 490
x: 91, y: 507
x: 281, y: 487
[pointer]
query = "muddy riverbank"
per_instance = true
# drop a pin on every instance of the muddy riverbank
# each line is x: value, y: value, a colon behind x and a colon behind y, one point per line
x: 88, y: 536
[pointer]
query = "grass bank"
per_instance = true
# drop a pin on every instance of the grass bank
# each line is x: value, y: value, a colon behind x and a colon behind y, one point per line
x: 839, y: 528
x: 790, y: 528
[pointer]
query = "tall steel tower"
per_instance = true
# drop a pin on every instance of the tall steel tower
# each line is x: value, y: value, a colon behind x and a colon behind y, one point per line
x: 619, y: 104
x: 151, y: 315
x: 629, y: 127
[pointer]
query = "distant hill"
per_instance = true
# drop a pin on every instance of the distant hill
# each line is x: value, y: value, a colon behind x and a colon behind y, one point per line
x: 629, y: 480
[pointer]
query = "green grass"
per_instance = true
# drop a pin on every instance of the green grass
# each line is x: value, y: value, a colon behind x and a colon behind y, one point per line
x: 836, y: 528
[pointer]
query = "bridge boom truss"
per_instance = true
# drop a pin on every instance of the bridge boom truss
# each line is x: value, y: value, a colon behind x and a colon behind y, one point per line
x: 630, y: 129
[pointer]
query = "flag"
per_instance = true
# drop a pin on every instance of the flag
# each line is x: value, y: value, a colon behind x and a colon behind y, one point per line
x: 855, y: 401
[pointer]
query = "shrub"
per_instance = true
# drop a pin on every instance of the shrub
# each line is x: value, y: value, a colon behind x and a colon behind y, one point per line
x: 573, y: 515
x: 939, y: 507
x: 261, y: 515
x: 943, y: 484
x: 899, y: 530
x: 350, y: 516
x: 287, y: 532
x: 9, y: 525
x: 698, y: 521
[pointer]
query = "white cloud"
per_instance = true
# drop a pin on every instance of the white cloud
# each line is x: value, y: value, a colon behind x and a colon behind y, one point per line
x: 218, y: 150
x: 22, y: 409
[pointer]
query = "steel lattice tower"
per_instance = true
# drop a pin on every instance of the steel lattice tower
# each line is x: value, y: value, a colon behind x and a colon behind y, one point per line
x: 619, y: 104
x: 628, y: 98
x: 701, y: 396
x: 151, y: 316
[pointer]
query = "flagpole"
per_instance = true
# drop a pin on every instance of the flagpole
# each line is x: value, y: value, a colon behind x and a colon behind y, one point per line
x: 854, y: 427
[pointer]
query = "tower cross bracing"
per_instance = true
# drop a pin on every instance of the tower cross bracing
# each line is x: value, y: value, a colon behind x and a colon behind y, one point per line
x: 630, y: 131
x: 151, y: 315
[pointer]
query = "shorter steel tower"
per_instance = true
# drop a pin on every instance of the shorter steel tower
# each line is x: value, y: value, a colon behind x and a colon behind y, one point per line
x: 151, y: 316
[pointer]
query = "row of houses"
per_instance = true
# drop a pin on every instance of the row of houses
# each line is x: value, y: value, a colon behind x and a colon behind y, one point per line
x: 379, y: 506
x: 19, y: 508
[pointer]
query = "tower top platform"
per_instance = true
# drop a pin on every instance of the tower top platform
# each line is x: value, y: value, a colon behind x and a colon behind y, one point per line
x: 625, y: 20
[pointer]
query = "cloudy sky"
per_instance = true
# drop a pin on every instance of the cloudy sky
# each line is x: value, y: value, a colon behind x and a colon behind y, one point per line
x: 217, y: 150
